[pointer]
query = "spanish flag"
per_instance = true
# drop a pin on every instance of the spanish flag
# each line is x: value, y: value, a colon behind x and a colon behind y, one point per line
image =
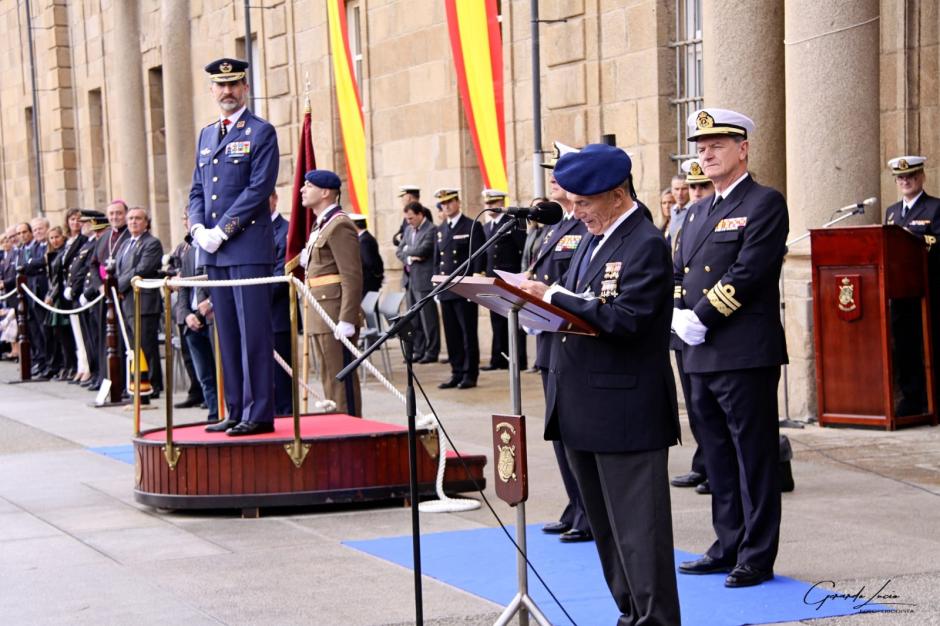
x: 477, y: 45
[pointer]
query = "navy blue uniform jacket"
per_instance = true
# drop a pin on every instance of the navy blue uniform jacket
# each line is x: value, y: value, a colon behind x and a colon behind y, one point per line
x: 615, y: 392
x: 232, y: 181
x: 280, y: 293
x: 727, y: 269
x: 453, y: 247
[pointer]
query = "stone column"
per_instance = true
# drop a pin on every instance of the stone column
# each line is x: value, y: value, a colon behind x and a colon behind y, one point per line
x: 743, y: 71
x: 127, y: 102
x: 833, y: 156
x: 178, y: 103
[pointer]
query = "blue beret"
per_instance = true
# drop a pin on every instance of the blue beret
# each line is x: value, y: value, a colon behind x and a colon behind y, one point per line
x: 226, y: 70
x: 597, y: 168
x: 324, y: 179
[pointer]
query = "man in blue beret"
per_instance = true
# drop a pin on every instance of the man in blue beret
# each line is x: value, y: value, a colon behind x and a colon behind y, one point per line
x: 334, y: 275
x: 235, y: 173
x: 611, y: 399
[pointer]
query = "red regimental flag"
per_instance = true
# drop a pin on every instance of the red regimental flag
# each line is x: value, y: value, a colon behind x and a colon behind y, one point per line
x: 301, y: 218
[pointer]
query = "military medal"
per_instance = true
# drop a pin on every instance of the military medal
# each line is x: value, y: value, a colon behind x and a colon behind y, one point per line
x: 248, y: 130
x: 205, y: 151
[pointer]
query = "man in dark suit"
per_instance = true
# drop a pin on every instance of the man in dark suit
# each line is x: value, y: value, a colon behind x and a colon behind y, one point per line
x: 727, y: 313
x: 142, y: 255
x: 236, y: 169
x: 611, y: 398
x: 373, y: 269
x: 504, y: 255
x: 416, y: 253
x: 102, y: 262
x: 280, y: 313
x: 549, y: 266
x: 194, y: 395
x: 31, y: 262
x: 919, y: 213
x: 699, y: 186
x: 457, y: 237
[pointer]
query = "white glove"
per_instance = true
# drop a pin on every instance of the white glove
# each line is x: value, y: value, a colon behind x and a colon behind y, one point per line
x: 82, y: 300
x: 304, y: 257
x: 344, y: 329
x: 201, y: 236
x: 67, y: 293
x: 688, y: 327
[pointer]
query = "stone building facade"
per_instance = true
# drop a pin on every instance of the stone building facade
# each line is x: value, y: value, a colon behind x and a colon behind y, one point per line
x: 836, y: 88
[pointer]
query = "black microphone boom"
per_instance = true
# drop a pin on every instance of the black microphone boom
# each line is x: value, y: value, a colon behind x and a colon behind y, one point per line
x: 543, y: 212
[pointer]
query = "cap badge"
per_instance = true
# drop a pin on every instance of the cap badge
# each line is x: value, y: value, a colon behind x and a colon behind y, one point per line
x: 225, y: 67
x: 695, y: 169
x: 902, y: 164
x: 704, y: 120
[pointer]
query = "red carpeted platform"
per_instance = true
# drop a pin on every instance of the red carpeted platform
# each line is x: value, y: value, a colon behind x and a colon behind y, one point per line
x: 350, y: 460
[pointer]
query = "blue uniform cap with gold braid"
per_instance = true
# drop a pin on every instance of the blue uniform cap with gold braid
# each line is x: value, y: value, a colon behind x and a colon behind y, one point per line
x: 226, y: 70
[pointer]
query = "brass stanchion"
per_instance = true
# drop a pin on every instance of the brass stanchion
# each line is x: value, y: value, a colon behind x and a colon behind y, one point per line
x: 296, y: 450
x: 306, y: 368
x: 136, y: 361
x: 171, y: 453
x: 219, y: 383
x: 22, y: 330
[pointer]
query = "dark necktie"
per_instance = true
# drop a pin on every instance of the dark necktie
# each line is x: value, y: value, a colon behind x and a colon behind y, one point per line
x: 223, y: 128
x: 586, y: 259
x: 904, y: 210
x: 714, y: 206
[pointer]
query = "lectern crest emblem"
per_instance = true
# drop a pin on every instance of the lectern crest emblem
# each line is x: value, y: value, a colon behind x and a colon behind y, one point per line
x: 848, y: 290
x: 506, y: 463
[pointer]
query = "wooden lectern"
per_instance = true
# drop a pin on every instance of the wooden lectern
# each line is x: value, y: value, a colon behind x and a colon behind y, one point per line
x: 857, y: 272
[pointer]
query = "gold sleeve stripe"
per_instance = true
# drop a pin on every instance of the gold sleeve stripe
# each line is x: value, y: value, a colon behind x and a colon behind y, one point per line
x: 722, y: 298
x: 677, y: 293
x: 718, y: 304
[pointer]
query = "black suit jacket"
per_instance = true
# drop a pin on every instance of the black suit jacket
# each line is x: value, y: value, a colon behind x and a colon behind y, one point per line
x: 549, y: 265
x: 453, y: 247
x: 141, y: 258
x: 923, y: 220
x: 108, y: 244
x: 616, y: 392
x: 505, y: 254
x: 280, y: 293
x: 727, y: 269
x: 33, y: 261
x: 373, y: 269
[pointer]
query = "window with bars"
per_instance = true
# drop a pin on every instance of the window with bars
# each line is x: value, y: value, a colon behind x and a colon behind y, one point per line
x: 689, y: 85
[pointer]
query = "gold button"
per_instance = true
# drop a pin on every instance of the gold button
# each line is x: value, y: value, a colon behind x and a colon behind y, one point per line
x: 215, y: 160
x: 214, y: 197
x: 564, y: 339
x: 683, y: 292
x: 215, y: 179
x: 213, y: 216
x: 455, y: 252
x: 252, y: 221
x: 686, y: 270
x: 546, y: 277
x: 708, y: 269
x: 704, y: 291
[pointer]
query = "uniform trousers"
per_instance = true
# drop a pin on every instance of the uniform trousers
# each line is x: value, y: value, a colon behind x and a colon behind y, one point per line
x: 427, y: 335
x: 573, y: 515
x: 698, y: 458
x: 243, y: 316
x: 740, y: 434
x: 626, y: 496
x: 333, y: 357
x: 149, y: 345
x: 283, y: 398
x: 499, y: 347
x: 460, y: 332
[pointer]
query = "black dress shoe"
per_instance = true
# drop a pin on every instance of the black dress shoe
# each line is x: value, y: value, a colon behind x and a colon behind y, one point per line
x: 704, y: 565
x: 427, y: 359
x: 187, y: 403
x: 250, y: 428
x: 687, y: 480
x: 491, y: 368
x: 556, y: 528
x: 467, y: 384
x: 203, y: 406
x: 87, y: 383
x: 747, y: 576
x: 576, y: 536
x: 703, y: 488
x: 450, y: 384
x: 155, y: 395
x: 221, y: 427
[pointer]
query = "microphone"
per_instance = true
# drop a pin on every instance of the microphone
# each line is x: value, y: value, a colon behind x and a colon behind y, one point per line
x: 543, y: 212
x: 858, y: 206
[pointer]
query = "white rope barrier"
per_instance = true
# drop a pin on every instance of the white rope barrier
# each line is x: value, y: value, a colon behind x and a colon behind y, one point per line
x: 53, y: 309
x: 7, y: 295
x: 444, y: 503
x: 321, y: 402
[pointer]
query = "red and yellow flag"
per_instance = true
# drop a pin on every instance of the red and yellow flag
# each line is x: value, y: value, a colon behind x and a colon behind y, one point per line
x: 478, y: 56
x: 352, y: 125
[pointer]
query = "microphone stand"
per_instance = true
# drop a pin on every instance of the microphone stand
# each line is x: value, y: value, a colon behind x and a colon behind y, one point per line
x: 786, y: 422
x: 402, y: 327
